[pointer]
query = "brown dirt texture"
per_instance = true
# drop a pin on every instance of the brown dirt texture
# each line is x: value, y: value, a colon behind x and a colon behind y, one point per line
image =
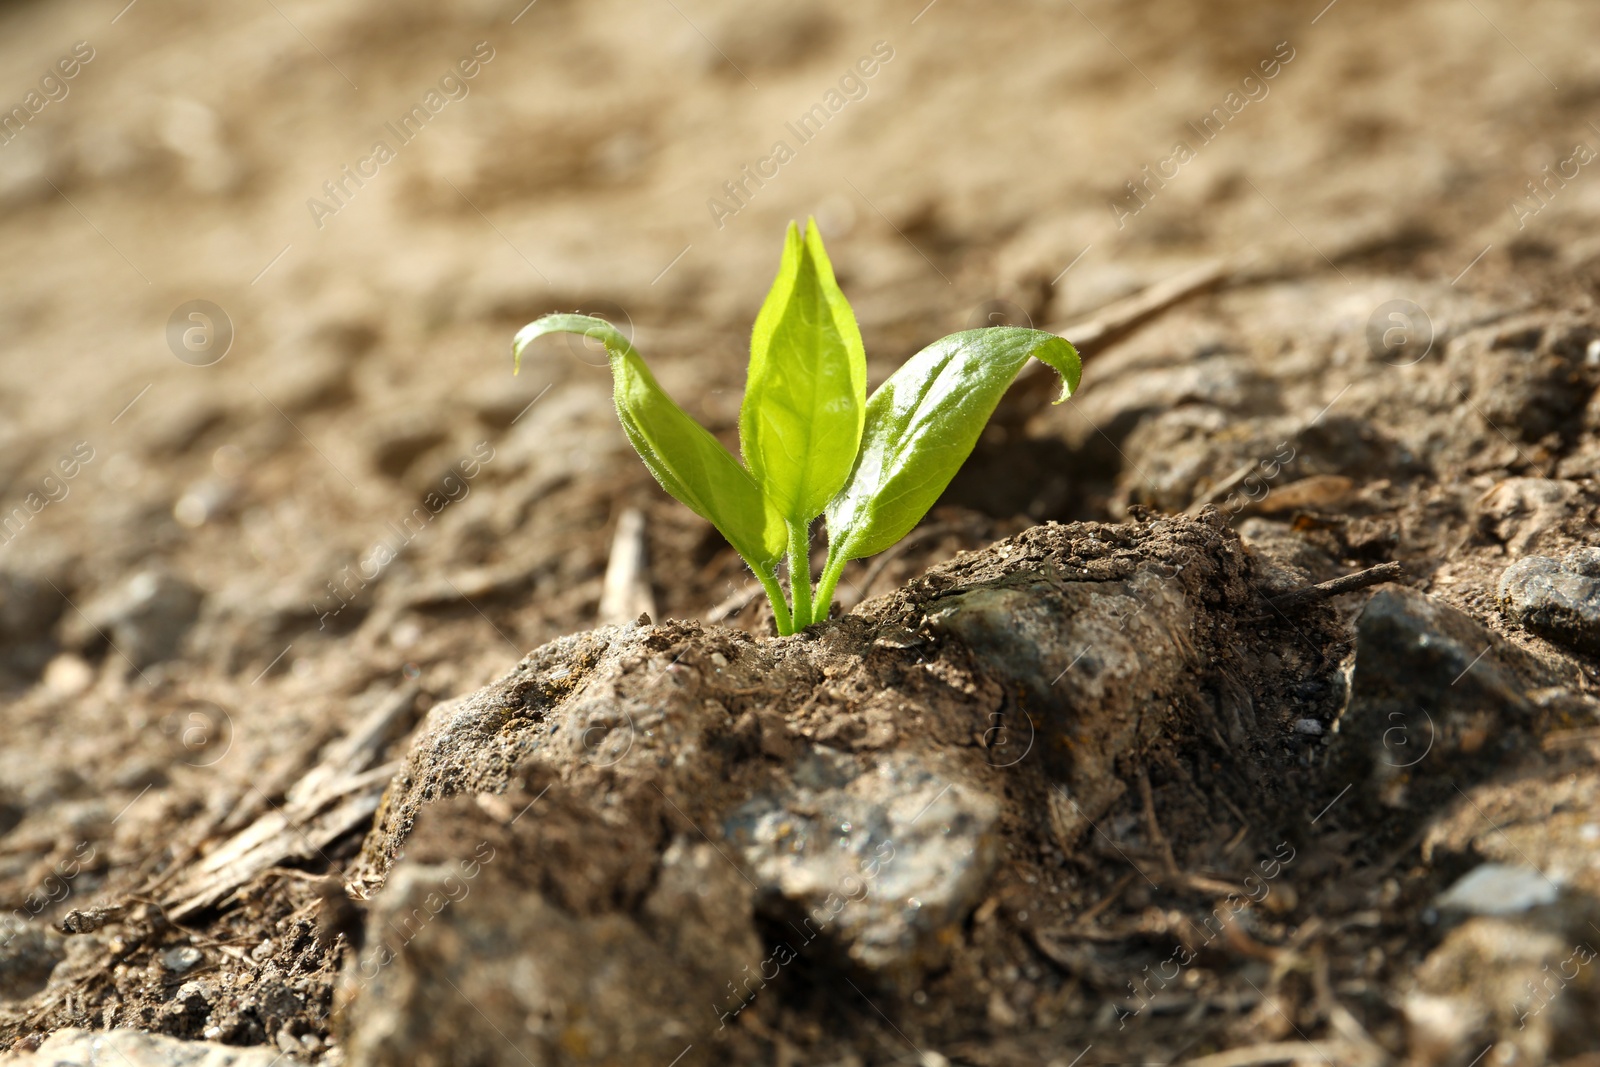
x: 326, y: 741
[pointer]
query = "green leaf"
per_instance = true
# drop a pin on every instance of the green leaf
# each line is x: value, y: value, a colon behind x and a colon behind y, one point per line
x: 689, y: 463
x: 922, y: 425
x: 801, y: 420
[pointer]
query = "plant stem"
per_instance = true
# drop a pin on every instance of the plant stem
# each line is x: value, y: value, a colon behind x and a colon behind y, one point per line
x: 831, y: 570
x: 800, y: 573
x: 780, y: 607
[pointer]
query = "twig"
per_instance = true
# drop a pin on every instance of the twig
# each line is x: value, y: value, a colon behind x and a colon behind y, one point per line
x: 1116, y: 320
x: 1152, y: 825
x: 1204, y: 883
x: 1216, y: 492
x: 1383, y: 572
x: 1274, y: 1052
x: 336, y: 796
x: 626, y: 594
x: 1099, y: 906
x: 1346, y: 1025
x: 732, y: 605
x: 1559, y: 739
x: 1109, y: 325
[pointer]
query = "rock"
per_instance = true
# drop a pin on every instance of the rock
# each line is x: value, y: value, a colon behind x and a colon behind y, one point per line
x: 67, y: 675
x: 193, y: 1003
x: 1171, y: 454
x: 1196, y: 454
x: 1549, y: 825
x: 1117, y: 644
x: 630, y: 842
x: 1529, y: 378
x: 146, y: 618
x: 1522, y: 511
x: 1437, y: 703
x: 1288, y: 560
x: 1499, y: 889
x: 181, y: 959
x: 701, y: 907
x: 490, y: 972
x: 29, y: 952
x: 1557, y: 600
x: 473, y: 744
x: 1437, y: 1026
x: 888, y: 857
x: 131, y: 1048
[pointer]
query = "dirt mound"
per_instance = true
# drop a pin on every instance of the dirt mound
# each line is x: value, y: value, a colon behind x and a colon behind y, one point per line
x: 665, y: 820
x: 1076, y: 788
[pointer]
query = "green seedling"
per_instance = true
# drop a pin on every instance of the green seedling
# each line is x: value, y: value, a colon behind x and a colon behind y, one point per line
x: 813, y: 442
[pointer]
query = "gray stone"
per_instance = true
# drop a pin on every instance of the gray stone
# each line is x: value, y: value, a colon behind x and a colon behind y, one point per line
x: 1118, y: 645
x: 473, y: 743
x: 1437, y: 702
x: 701, y: 907
x: 462, y: 972
x: 181, y: 959
x: 1499, y: 889
x: 1528, y: 376
x: 886, y: 857
x: 1557, y: 600
x: 131, y: 1048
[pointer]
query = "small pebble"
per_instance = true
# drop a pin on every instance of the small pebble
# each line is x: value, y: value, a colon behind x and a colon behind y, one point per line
x: 1559, y: 600
x: 1499, y: 889
x: 1310, y: 727
x: 181, y: 959
x: 287, y: 1043
x: 68, y: 675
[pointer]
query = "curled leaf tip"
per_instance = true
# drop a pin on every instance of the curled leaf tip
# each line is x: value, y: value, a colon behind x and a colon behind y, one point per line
x: 1062, y: 357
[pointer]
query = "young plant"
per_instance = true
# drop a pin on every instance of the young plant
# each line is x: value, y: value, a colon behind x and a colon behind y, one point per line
x: 813, y: 442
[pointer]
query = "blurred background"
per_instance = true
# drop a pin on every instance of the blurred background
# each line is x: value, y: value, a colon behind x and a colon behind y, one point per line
x: 371, y: 198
